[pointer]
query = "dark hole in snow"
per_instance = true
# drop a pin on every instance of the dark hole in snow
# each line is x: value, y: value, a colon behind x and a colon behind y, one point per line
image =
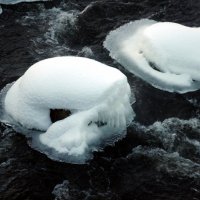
x: 98, y: 123
x: 59, y: 114
x: 154, y: 66
x: 151, y: 63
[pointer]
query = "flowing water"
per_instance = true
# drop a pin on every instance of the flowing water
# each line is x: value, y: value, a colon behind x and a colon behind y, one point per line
x: 160, y: 156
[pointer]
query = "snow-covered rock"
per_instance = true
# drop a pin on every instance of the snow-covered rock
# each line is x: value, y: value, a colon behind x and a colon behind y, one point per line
x: 97, y: 95
x: 164, y: 54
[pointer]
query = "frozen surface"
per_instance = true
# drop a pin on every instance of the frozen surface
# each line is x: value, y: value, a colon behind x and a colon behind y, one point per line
x: 97, y: 95
x: 164, y: 54
x: 17, y: 1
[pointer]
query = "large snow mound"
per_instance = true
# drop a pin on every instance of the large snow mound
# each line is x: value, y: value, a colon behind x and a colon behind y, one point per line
x: 97, y: 95
x: 164, y: 54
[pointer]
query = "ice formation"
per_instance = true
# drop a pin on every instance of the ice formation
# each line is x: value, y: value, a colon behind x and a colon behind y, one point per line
x: 164, y: 54
x: 97, y: 95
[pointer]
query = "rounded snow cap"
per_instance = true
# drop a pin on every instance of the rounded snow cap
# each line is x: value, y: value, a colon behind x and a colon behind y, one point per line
x: 164, y: 54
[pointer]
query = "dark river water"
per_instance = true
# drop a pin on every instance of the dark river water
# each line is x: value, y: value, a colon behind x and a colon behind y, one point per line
x: 160, y: 156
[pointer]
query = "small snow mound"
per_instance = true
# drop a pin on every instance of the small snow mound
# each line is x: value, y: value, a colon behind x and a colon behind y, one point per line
x: 7, y: 2
x: 164, y: 54
x: 1, y: 10
x: 97, y: 95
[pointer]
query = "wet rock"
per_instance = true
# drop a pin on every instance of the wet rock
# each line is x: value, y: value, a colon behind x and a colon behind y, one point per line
x: 156, y: 105
x: 153, y: 170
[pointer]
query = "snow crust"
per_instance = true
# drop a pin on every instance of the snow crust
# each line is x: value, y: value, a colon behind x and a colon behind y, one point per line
x: 97, y: 95
x: 164, y: 54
